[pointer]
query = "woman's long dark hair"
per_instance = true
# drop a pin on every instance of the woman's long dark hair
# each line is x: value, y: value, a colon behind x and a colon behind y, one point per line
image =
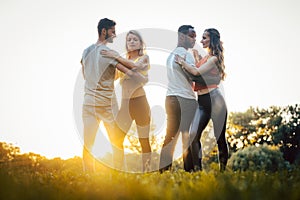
x: 216, y: 49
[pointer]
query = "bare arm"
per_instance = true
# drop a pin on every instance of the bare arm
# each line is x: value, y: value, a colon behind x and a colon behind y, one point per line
x: 197, y: 75
x: 133, y: 74
x: 205, y: 78
x: 211, y: 63
x: 124, y: 69
x: 141, y: 64
x: 196, y: 55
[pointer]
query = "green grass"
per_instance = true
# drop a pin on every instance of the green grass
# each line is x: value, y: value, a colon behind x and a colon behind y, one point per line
x: 64, y: 179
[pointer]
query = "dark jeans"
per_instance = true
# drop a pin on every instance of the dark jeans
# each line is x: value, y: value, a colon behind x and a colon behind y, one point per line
x: 211, y: 106
x: 180, y: 113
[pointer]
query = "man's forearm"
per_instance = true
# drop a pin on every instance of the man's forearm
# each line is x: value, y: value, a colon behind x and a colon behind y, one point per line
x: 132, y: 73
x: 124, y: 69
x: 206, y: 79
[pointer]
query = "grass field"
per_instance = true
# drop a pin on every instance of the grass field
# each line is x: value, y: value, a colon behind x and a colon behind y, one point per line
x: 64, y: 179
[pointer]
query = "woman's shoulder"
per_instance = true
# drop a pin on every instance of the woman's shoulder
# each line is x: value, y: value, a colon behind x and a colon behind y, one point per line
x: 143, y: 58
x: 212, y: 58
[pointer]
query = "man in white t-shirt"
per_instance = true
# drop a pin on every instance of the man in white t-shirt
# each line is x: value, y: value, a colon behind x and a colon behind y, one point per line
x: 180, y: 101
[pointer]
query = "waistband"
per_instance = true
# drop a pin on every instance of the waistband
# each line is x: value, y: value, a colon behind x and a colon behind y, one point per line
x: 215, y: 91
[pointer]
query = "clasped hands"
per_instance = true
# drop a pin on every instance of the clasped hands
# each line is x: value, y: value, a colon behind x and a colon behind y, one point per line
x: 114, y: 54
x: 133, y: 72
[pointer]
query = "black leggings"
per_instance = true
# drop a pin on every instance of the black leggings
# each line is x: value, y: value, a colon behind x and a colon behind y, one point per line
x: 137, y: 109
x: 211, y: 106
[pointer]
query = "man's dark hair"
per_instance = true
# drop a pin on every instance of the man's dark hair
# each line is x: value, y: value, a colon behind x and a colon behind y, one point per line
x: 105, y: 23
x: 184, y: 29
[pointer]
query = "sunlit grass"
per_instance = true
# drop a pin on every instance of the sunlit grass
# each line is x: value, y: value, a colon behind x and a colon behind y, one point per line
x: 64, y: 179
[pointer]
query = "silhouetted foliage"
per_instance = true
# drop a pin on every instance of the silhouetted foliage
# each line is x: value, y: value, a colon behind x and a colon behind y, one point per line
x: 278, y: 126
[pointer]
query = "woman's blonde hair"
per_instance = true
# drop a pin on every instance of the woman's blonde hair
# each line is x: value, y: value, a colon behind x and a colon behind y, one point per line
x: 136, y: 33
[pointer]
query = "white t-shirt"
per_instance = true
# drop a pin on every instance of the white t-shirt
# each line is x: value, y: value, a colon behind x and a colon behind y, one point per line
x: 99, y: 75
x: 179, y: 84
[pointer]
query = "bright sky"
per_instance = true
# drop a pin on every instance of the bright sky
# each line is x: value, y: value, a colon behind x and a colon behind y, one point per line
x: 42, y: 43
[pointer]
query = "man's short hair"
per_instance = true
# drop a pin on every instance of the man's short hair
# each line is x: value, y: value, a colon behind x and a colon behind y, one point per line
x: 105, y: 23
x: 184, y: 29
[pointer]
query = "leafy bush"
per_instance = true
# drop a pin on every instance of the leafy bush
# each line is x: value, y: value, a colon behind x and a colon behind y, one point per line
x: 263, y: 157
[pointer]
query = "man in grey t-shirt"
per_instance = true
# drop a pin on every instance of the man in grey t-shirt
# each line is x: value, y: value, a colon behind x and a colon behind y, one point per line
x: 99, y: 97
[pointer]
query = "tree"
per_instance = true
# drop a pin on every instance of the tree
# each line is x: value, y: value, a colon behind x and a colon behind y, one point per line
x: 279, y: 126
x: 240, y: 129
x: 287, y: 135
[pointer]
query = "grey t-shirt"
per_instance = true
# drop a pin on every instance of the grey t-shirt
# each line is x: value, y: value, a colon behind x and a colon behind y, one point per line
x: 179, y: 84
x: 99, y: 75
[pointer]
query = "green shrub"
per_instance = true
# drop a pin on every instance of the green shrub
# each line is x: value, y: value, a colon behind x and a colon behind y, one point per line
x: 263, y: 157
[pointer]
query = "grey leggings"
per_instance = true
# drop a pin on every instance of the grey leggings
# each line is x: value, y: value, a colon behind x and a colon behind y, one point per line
x: 211, y: 106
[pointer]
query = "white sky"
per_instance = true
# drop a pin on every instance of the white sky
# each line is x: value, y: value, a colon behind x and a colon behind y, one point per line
x: 42, y: 42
